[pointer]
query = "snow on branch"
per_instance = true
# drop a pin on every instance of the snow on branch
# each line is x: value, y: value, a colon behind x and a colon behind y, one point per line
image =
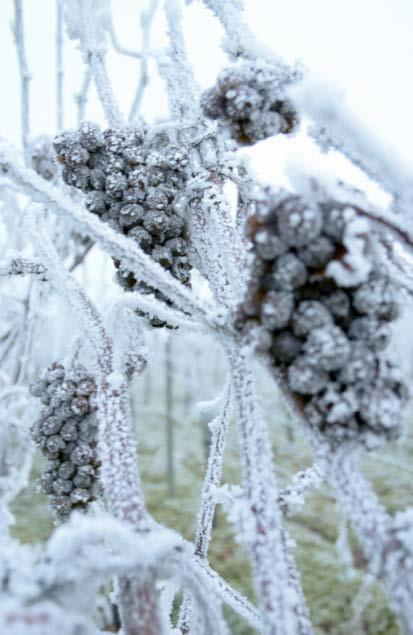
x: 233, y: 598
x: 176, y: 69
x: 240, y: 40
x: 25, y: 77
x: 151, y: 306
x: 17, y: 265
x: 147, y: 17
x: 291, y: 499
x: 119, y: 246
x: 383, y: 540
x: 218, y: 428
x: 338, y: 128
x: 88, y: 21
x: 282, y: 606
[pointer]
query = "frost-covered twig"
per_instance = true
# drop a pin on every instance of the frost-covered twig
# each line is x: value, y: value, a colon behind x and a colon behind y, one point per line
x: 119, y: 246
x: 218, y: 427
x: 18, y: 29
x: 79, y: 258
x: 389, y: 558
x: 147, y: 17
x: 229, y: 595
x: 59, y: 65
x: 338, y: 128
x: 177, y: 72
x: 283, y: 607
x: 16, y: 265
x: 95, y: 57
x: 129, y: 346
x: 391, y: 223
x: 291, y: 499
x: 81, y: 96
x: 150, y: 305
x: 240, y: 41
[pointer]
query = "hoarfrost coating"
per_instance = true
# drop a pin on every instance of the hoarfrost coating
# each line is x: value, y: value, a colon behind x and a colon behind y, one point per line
x: 297, y: 290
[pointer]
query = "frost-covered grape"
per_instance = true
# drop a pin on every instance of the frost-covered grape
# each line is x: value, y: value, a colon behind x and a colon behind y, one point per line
x: 116, y: 184
x: 328, y: 347
x: 142, y: 237
x: 177, y: 246
x: 361, y: 365
x: 155, y: 222
x: 82, y: 480
x: 381, y: 407
x: 336, y: 405
x: 62, y: 486
x: 97, y: 179
x: 90, y: 136
x: 81, y: 455
x: 60, y: 434
x: 131, y: 215
x: 134, y: 195
x: 249, y: 100
x: 288, y: 273
x: 371, y: 331
x: 268, y: 245
x: 80, y: 495
x: 80, y: 405
x: 66, y: 470
x: 163, y: 256
x: 45, y: 483
x: 68, y: 431
x: 298, y: 223
x: 335, y: 219
x: 78, y: 177
x: 174, y: 229
x: 51, y: 425
x: 286, y: 347
x: 85, y: 387
x: 338, y: 303
x: 62, y: 506
x: 55, y: 443
x: 276, y: 309
x: 377, y: 298
x: 317, y: 253
x: 43, y: 159
x: 87, y: 429
x: 95, y: 202
x: 68, y: 149
x: 308, y: 316
x: 305, y: 378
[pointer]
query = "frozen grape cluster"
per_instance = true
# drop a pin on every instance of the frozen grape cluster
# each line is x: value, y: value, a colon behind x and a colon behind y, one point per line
x: 43, y: 158
x: 131, y: 180
x: 327, y: 335
x: 249, y: 99
x: 66, y: 433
